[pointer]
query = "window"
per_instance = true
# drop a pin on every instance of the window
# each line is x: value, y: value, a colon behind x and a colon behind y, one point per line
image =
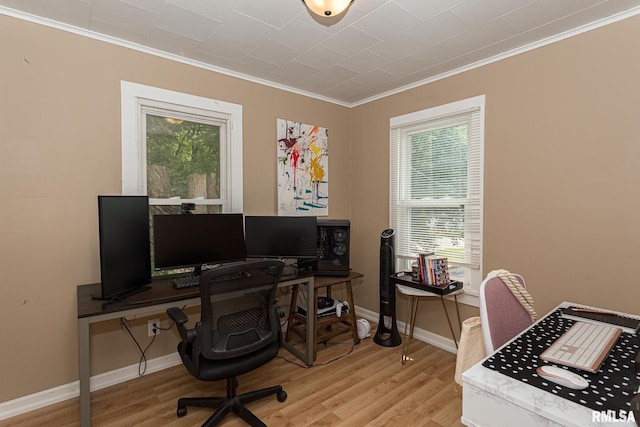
x: 179, y: 148
x: 436, y: 187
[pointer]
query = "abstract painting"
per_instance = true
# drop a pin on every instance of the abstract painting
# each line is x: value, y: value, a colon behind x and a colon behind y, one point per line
x: 303, y: 158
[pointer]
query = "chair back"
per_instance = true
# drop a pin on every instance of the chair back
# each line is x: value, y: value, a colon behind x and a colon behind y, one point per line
x: 238, y: 311
x: 501, y: 314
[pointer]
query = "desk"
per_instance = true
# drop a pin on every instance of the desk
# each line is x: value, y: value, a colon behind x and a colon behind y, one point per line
x: 159, y: 298
x: 491, y: 397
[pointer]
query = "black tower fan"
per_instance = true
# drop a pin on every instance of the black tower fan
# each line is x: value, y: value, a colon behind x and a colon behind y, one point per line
x: 387, y: 334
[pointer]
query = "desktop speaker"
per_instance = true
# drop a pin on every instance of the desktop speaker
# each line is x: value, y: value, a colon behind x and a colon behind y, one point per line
x: 333, y: 247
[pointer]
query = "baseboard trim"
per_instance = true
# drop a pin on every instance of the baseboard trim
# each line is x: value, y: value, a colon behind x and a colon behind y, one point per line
x: 420, y: 334
x: 64, y: 392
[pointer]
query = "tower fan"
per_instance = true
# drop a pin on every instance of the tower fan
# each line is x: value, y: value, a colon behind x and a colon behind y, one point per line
x: 387, y: 334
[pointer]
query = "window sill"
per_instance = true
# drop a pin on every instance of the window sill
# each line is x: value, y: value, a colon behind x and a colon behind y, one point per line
x: 469, y: 297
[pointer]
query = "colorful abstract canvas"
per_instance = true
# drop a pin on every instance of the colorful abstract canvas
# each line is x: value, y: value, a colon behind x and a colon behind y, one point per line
x: 303, y: 158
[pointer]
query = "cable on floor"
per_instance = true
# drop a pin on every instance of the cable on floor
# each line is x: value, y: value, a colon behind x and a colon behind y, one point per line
x: 335, y: 359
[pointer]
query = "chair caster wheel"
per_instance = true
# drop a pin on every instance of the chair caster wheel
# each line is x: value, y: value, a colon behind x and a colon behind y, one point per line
x: 182, y: 412
x: 282, y: 396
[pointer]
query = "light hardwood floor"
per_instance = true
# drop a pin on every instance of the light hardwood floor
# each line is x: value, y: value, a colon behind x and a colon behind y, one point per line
x: 366, y: 385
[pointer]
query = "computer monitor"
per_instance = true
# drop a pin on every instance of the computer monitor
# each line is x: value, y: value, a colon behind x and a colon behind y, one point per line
x: 192, y: 240
x: 125, y: 260
x: 283, y: 237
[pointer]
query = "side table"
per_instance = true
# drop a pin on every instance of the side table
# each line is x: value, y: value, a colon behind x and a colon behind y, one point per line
x: 415, y: 291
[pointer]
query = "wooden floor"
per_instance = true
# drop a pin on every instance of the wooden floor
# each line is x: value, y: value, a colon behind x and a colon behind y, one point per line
x: 362, y: 385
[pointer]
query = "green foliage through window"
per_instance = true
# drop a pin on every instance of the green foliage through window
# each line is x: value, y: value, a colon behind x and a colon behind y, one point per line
x: 180, y: 149
x: 439, y: 163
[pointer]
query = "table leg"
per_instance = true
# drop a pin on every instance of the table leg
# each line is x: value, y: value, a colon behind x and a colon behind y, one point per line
x: 453, y: 335
x: 407, y: 320
x: 352, y: 314
x: 84, y: 372
x: 307, y: 356
x: 312, y: 306
x: 413, y: 311
x: 313, y: 296
x: 455, y: 299
x: 292, y: 309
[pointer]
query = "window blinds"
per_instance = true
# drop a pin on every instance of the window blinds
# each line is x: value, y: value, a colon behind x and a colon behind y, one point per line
x: 436, y: 182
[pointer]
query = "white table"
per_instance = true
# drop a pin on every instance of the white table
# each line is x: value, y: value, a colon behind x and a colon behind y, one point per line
x: 490, y: 398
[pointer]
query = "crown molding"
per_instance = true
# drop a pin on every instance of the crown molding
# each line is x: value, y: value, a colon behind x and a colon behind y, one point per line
x: 134, y: 46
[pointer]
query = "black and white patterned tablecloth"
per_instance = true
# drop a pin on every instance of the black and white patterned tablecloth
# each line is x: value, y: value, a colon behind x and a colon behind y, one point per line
x: 611, y: 388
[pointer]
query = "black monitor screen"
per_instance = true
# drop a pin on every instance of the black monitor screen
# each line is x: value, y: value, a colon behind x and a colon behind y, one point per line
x: 281, y: 236
x: 125, y: 260
x: 194, y: 239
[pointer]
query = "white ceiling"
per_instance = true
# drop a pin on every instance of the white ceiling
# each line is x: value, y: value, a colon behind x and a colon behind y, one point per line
x: 375, y: 48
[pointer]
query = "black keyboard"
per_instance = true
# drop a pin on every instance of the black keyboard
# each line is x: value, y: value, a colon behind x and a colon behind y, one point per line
x: 191, y: 281
x: 186, y: 282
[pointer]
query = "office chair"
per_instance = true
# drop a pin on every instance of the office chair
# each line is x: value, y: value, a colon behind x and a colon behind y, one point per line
x: 238, y: 331
x: 502, y: 315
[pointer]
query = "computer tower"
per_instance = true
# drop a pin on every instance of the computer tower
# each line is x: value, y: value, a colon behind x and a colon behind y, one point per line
x: 333, y: 247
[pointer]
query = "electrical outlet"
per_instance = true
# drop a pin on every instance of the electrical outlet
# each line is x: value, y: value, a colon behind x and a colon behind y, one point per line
x: 153, y: 330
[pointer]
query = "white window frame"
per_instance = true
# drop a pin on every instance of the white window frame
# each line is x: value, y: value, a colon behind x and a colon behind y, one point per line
x: 473, y: 273
x: 137, y: 99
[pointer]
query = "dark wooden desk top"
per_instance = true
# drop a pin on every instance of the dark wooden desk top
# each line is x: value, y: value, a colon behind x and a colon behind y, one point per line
x: 161, y: 291
x: 324, y: 281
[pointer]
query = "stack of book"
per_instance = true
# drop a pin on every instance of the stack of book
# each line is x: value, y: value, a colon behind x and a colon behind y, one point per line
x: 433, y: 270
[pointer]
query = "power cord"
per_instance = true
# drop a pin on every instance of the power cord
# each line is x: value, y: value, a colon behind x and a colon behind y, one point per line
x: 125, y: 325
x: 335, y: 359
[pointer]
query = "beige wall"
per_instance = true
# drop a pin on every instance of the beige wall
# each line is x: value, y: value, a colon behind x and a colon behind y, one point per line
x: 562, y: 169
x: 60, y: 148
x: 561, y: 178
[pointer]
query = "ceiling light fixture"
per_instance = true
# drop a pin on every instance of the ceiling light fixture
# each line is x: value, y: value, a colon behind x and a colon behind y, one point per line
x: 327, y: 8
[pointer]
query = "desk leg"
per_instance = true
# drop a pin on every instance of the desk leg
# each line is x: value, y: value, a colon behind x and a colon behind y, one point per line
x: 307, y: 356
x: 312, y: 306
x: 84, y: 372
x: 352, y: 314
x: 314, y: 332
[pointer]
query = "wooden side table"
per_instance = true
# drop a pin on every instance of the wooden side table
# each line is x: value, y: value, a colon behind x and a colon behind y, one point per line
x: 326, y: 327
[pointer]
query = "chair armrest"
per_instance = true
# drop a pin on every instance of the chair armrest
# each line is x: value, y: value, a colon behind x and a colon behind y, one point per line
x: 180, y: 319
x: 177, y: 315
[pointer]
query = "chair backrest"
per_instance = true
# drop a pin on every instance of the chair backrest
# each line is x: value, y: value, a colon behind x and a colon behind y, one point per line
x: 501, y: 314
x: 238, y: 311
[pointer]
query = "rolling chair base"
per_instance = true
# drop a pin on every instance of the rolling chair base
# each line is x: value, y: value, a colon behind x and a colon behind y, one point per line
x: 232, y: 403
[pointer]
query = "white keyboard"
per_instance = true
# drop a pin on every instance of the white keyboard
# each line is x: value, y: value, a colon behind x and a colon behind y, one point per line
x: 583, y: 346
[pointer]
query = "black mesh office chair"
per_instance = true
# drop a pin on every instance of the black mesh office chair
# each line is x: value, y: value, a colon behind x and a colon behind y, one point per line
x: 238, y: 331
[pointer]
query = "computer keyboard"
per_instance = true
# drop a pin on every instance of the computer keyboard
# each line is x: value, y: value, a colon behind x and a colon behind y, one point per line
x: 583, y: 346
x: 191, y: 281
x: 186, y: 282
